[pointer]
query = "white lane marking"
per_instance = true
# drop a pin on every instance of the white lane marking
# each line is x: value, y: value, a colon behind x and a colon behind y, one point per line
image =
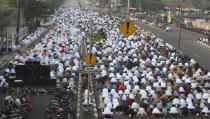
x: 196, y: 55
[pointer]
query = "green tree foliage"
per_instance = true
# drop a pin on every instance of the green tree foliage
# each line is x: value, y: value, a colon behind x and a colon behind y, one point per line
x: 4, y: 13
x: 202, y: 4
x: 34, y: 8
x: 151, y: 5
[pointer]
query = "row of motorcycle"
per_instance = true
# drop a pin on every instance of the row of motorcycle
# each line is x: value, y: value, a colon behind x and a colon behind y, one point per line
x: 18, y: 108
x: 60, y: 107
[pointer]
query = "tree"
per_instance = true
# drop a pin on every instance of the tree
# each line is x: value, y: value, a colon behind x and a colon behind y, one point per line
x: 4, y: 14
x: 34, y: 8
x: 202, y: 4
x: 151, y: 5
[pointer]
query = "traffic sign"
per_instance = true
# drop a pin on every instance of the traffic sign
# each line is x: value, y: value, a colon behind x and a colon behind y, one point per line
x: 90, y: 59
x: 127, y: 28
x: 89, y: 69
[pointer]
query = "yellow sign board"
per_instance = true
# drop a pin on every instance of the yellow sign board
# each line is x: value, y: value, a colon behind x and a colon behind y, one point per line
x: 127, y: 28
x: 90, y: 59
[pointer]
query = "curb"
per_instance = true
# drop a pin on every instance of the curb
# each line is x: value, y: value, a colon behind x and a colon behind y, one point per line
x: 7, y: 61
x: 203, y: 44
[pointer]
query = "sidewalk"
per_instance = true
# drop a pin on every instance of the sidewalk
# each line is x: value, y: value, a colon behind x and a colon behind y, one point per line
x: 4, y: 60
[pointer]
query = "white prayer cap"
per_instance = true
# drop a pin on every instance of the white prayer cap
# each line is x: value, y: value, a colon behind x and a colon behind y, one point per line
x: 65, y: 80
x: 128, y: 87
x: 198, y: 95
x: 188, y: 100
x: 111, y: 75
x: 113, y: 91
x: 135, y: 105
x: 176, y: 101
x: 205, y: 96
x: 120, y: 92
x: 116, y: 95
x: 136, y: 87
x: 156, y: 111
x: 131, y: 96
x: 141, y: 111
x: 173, y: 110
x: 127, y: 91
x: 113, y: 80
x: 148, y: 88
x: 190, y: 96
x: 190, y: 106
x: 168, y: 93
x: 181, y: 89
x: 124, y: 97
x: 205, y: 110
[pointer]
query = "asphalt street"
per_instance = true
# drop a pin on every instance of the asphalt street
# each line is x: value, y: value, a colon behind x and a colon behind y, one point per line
x: 188, y: 42
x: 39, y: 103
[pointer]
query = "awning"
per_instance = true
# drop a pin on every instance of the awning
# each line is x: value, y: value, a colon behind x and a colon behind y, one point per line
x: 132, y: 8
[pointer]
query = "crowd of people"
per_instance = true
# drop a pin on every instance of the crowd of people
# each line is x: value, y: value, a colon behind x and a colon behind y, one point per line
x: 142, y: 75
x: 59, y: 48
x: 205, y: 40
x: 136, y: 76
x: 32, y: 37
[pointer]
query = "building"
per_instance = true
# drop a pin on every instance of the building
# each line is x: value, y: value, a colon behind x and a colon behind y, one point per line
x: 175, y: 4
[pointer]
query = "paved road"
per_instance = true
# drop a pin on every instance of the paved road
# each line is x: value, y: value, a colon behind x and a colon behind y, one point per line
x: 188, y: 43
x: 83, y: 112
x: 39, y: 103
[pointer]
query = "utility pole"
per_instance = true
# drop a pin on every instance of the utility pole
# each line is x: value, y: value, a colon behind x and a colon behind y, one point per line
x: 137, y: 6
x: 128, y: 5
x: 18, y: 23
x: 6, y: 39
x: 180, y: 28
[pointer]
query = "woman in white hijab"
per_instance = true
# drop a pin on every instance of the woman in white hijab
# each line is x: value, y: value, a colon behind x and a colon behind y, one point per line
x: 107, y: 112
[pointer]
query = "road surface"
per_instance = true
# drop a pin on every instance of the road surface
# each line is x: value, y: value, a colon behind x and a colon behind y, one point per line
x: 188, y: 43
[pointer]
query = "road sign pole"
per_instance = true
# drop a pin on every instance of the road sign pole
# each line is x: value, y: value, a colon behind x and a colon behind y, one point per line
x: 91, y: 30
x: 89, y: 74
x: 88, y: 99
